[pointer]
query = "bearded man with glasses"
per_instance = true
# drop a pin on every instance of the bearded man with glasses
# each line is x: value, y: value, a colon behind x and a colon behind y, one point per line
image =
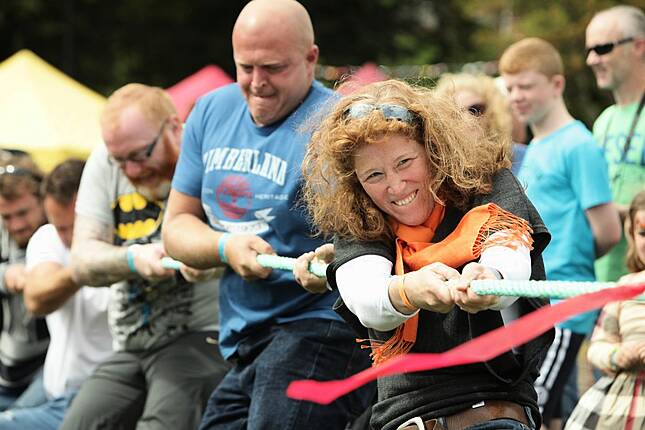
x: 164, y: 323
x: 615, y: 50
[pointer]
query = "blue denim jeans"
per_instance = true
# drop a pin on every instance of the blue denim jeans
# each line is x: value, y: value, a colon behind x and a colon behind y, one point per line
x: 24, y: 397
x: 47, y: 416
x: 252, y: 394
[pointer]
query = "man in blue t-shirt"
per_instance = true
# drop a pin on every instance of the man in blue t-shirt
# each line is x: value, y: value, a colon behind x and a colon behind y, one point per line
x: 566, y: 179
x: 234, y: 196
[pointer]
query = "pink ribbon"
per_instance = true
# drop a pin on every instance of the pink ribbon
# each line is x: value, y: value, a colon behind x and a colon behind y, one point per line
x: 482, y: 348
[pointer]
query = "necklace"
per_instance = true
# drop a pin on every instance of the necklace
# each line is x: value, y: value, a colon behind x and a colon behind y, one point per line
x: 630, y: 135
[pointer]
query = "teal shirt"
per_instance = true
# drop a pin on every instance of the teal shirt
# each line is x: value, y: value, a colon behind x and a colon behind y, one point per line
x: 565, y: 174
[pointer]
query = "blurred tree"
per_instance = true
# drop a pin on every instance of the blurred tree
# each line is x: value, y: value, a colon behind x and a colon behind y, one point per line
x: 106, y: 44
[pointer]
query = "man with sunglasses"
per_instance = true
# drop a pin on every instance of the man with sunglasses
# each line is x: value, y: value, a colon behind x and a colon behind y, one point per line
x: 615, y: 49
x: 23, y: 337
x: 234, y: 196
x: 164, y: 325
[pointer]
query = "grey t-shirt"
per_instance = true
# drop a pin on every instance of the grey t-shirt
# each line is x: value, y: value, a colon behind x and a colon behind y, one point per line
x: 142, y: 315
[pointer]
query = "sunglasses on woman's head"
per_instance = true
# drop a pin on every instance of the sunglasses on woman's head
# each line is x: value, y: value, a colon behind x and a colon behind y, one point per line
x: 606, y: 48
x: 389, y: 111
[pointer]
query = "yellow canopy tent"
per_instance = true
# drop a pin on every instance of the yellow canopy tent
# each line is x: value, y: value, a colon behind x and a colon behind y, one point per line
x: 45, y: 112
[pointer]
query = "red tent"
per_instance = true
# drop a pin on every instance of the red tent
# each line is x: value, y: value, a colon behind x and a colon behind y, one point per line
x: 367, y: 74
x: 185, y: 92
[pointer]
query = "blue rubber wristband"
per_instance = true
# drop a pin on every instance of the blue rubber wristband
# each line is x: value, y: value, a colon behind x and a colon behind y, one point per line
x: 129, y: 255
x: 221, y: 246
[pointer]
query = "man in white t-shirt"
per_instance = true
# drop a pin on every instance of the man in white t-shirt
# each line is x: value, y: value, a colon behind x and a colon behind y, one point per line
x: 76, y: 316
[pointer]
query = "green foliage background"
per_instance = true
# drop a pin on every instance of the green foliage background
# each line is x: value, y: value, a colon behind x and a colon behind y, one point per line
x: 105, y: 44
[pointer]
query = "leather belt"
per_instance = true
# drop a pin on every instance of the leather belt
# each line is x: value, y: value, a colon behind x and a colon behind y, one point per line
x: 489, y: 410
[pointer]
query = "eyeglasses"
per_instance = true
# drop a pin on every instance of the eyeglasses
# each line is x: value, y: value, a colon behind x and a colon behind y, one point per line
x: 478, y: 109
x: 606, y: 48
x: 144, y: 153
x: 396, y: 112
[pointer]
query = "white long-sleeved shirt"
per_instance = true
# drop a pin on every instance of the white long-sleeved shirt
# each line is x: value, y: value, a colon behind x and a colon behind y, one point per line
x: 364, y: 282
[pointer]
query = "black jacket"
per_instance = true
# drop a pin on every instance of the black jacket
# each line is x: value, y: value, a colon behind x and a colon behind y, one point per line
x: 443, y: 392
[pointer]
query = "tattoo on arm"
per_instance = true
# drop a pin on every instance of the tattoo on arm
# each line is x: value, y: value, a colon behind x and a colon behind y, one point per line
x: 95, y: 260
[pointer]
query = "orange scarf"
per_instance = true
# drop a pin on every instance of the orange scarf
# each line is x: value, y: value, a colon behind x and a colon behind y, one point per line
x: 415, y: 250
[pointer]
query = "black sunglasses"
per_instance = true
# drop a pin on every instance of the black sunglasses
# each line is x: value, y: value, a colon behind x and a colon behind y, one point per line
x: 477, y: 109
x: 606, y: 48
x: 145, y: 152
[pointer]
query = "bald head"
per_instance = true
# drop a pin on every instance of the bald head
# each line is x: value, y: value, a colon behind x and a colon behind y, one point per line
x: 628, y: 21
x: 271, y: 16
x: 275, y: 57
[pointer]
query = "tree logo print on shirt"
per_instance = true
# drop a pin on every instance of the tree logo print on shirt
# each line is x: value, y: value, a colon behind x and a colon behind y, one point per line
x: 234, y: 196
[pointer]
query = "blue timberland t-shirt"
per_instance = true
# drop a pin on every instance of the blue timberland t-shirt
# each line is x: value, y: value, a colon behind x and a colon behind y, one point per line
x: 248, y: 179
x: 565, y: 173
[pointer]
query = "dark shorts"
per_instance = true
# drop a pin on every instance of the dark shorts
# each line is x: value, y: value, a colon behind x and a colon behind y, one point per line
x: 555, y: 371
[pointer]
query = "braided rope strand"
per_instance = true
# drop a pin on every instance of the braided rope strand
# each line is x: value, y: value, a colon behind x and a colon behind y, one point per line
x: 542, y: 289
x: 288, y: 263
